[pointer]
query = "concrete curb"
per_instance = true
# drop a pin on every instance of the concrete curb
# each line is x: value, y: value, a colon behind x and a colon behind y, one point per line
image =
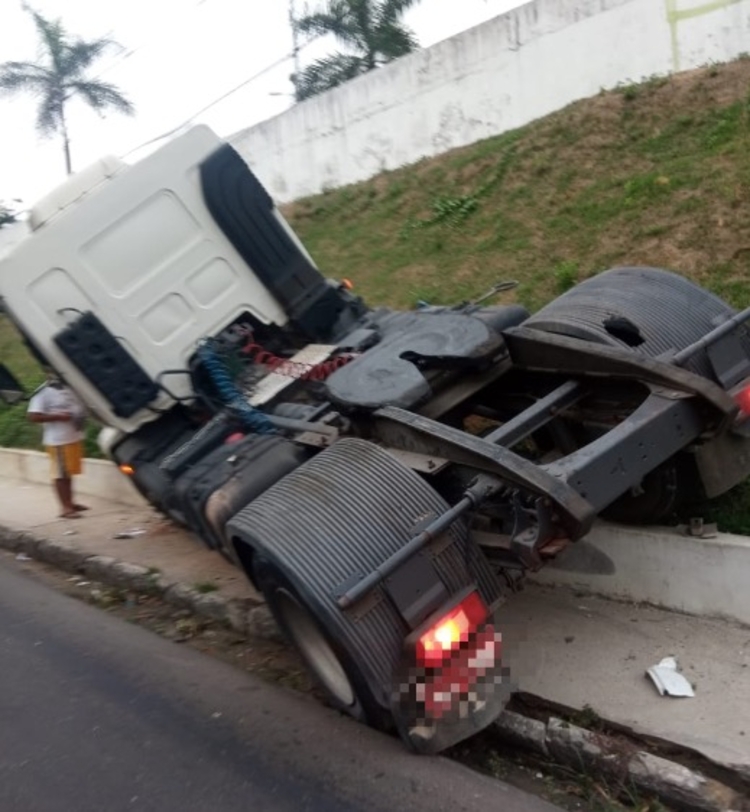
x: 623, y: 763
x: 242, y: 615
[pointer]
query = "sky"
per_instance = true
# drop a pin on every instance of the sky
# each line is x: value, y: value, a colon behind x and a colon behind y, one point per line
x: 177, y: 57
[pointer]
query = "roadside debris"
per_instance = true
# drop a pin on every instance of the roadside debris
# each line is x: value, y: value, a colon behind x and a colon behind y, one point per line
x: 697, y: 528
x: 668, y: 680
x: 129, y: 534
x: 23, y: 557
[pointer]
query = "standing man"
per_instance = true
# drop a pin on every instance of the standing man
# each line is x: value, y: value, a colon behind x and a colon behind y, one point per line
x: 61, y: 414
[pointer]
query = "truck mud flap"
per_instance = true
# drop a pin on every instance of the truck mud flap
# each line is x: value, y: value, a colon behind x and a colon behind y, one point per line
x: 330, y: 523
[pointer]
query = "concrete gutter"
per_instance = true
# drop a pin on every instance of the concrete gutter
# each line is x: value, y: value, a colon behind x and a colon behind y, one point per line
x: 622, y: 763
x: 246, y: 615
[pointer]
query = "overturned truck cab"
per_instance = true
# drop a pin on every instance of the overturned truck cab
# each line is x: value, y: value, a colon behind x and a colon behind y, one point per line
x: 383, y: 477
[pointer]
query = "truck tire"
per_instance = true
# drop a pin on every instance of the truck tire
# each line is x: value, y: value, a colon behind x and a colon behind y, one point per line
x: 657, y: 497
x: 651, y: 312
x: 648, y: 310
x: 322, y: 528
x: 336, y: 673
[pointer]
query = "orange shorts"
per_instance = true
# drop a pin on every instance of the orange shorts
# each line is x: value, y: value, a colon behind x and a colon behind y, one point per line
x: 66, y: 460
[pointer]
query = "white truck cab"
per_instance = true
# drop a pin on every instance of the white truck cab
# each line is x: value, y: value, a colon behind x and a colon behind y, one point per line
x: 137, y: 247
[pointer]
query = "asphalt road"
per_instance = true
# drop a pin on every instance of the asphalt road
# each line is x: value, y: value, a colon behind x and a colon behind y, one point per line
x: 97, y: 714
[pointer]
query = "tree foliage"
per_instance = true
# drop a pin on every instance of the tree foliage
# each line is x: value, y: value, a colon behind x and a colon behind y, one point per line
x: 371, y: 32
x: 8, y: 214
x: 61, y: 74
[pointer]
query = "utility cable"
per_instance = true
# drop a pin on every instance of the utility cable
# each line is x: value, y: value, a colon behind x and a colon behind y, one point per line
x: 221, y: 98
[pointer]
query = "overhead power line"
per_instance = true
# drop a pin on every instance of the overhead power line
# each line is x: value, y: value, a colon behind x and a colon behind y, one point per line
x: 224, y: 96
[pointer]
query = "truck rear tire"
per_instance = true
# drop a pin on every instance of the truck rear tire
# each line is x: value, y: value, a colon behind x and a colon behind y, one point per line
x: 320, y: 530
x: 648, y: 310
x: 333, y: 670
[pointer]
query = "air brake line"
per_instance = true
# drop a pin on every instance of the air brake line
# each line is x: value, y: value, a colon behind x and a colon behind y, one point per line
x: 253, y: 418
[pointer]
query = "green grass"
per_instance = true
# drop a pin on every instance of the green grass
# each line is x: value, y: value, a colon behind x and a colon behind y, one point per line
x: 657, y: 174
x: 204, y: 587
x: 731, y: 512
x: 15, y: 430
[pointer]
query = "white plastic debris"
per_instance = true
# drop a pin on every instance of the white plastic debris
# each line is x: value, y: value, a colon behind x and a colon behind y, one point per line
x: 23, y: 557
x: 129, y: 534
x: 668, y: 680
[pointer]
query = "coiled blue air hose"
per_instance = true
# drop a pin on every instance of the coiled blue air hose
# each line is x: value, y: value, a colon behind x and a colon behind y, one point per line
x: 252, y: 418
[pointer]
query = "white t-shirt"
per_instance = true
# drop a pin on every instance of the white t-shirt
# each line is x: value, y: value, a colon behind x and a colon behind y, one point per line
x: 49, y: 400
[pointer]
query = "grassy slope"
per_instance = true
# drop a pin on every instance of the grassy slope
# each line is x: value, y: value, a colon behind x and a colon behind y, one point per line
x: 654, y: 174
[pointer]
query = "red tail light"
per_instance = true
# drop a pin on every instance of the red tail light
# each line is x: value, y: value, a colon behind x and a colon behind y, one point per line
x: 743, y: 399
x: 445, y: 636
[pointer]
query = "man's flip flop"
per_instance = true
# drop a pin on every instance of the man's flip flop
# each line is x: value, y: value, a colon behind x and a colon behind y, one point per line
x: 72, y: 514
x: 81, y: 507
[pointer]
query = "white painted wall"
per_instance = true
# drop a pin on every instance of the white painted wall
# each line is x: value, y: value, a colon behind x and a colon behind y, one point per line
x: 498, y: 76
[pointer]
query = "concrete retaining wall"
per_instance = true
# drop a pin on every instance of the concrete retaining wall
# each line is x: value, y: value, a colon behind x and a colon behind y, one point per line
x: 498, y: 76
x: 100, y: 478
x: 707, y: 577
x: 700, y: 576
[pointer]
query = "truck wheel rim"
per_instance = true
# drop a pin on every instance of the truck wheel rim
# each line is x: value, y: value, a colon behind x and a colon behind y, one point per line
x: 315, y: 648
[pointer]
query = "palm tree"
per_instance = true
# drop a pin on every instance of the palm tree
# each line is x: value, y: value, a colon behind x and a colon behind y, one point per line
x: 8, y: 214
x: 60, y: 75
x: 370, y: 29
